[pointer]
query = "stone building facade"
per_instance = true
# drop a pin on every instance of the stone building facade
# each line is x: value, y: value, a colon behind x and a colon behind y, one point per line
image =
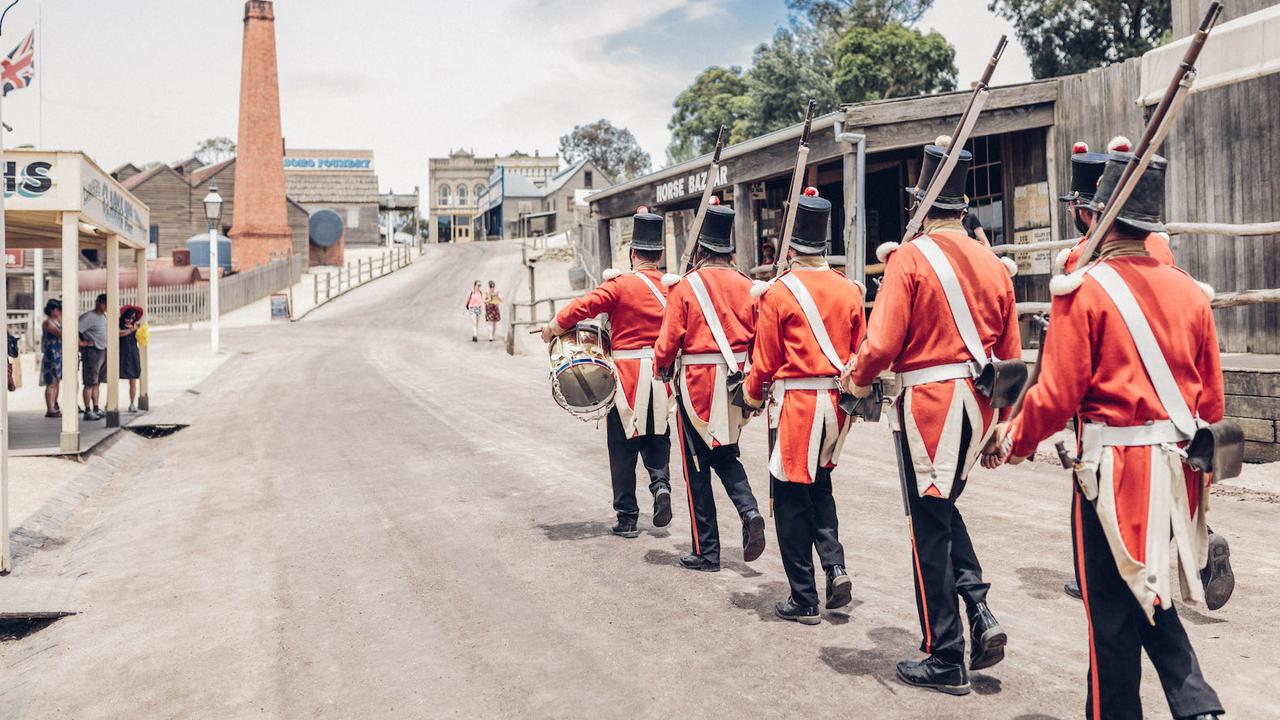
x: 457, y: 181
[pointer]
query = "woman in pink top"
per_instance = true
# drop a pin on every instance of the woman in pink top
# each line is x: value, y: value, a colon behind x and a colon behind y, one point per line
x: 475, y: 303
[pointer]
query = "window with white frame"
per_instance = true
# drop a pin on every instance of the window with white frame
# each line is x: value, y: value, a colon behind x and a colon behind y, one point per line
x: 444, y: 194
x: 462, y: 194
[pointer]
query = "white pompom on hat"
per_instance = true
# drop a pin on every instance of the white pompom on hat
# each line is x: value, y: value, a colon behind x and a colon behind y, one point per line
x: 943, y: 141
x: 1119, y: 143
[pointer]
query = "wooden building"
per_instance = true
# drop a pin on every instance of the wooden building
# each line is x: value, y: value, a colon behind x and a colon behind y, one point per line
x: 175, y: 193
x: 1010, y: 185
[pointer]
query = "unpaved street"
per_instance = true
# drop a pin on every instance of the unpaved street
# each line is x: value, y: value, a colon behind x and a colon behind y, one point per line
x: 373, y: 517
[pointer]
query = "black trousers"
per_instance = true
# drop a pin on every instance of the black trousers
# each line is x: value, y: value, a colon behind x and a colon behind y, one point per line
x: 699, y: 461
x: 805, y: 518
x: 944, y: 563
x: 1119, y: 632
x: 653, y: 450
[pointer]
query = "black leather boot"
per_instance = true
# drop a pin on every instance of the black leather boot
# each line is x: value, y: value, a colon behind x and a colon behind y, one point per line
x: 1072, y: 590
x: 987, y: 637
x: 839, y: 587
x: 950, y: 678
x: 752, y: 535
x: 697, y: 562
x: 626, y: 529
x: 1219, y: 581
x: 662, y: 507
x: 790, y: 610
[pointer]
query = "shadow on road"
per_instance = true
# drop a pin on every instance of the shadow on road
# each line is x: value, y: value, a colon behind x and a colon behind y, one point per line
x: 984, y: 684
x: 1042, y: 583
x: 1196, y: 617
x: 761, y: 601
x: 582, y: 530
x: 889, y: 645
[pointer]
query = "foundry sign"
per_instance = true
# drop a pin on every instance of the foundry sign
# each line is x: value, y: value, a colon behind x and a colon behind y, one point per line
x: 690, y: 184
x: 328, y: 163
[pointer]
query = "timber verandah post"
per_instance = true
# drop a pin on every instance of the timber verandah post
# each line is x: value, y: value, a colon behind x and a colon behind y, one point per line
x: 113, y: 331
x: 69, y: 440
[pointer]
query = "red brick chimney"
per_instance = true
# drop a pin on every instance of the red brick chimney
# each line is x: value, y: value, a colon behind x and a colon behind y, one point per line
x: 259, y: 224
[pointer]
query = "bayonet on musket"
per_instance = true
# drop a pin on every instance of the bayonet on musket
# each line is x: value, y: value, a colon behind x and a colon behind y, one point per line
x: 713, y: 173
x: 958, y: 138
x: 793, y: 196
x: 1152, y: 137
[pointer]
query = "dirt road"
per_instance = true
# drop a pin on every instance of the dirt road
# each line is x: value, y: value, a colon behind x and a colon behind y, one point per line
x: 374, y: 517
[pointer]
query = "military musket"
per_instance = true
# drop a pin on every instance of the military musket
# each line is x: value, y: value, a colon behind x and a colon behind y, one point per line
x: 964, y: 127
x: 713, y: 173
x: 1152, y: 137
x: 797, y: 186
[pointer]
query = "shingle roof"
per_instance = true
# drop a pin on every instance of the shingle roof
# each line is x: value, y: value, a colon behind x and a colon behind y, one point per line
x: 199, y: 175
x: 341, y: 187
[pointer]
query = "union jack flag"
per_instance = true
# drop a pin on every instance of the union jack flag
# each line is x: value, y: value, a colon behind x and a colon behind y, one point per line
x: 19, y: 67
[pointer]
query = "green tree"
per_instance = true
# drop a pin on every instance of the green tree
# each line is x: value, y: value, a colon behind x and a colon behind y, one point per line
x: 1062, y: 37
x: 214, y: 150
x: 785, y: 75
x: 892, y: 61
x: 718, y: 96
x: 614, y: 150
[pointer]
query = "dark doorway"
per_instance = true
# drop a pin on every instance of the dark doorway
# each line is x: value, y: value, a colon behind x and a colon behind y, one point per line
x: 885, y: 221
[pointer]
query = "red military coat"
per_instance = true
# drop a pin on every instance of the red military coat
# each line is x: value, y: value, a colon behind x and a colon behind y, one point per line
x: 1144, y: 494
x: 810, y: 425
x: 911, y: 328
x: 701, y: 379
x: 635, y: 313
x: 1157, y: 245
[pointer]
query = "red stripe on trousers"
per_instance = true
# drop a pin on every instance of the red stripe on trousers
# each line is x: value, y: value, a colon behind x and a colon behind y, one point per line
x: 684, y: 467
x: 1088, y: 619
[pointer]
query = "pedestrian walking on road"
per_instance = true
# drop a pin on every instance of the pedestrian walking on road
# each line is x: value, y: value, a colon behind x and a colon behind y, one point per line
x: 709, y: 323
x: 944, y: 420
x: 475, y: 303
x: 51, y: 356
x: 130, y: 356
x: 810, y: 324
x: 638, y: 426
x: 93, y: 356
x: 492, y: 309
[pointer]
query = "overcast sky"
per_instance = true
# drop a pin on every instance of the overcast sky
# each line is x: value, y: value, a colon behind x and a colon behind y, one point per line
x: 135, y: 80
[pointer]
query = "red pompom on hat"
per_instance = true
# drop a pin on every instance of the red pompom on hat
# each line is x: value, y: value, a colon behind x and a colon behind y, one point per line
x: 642, y: 209
x: 1119, y: 143
x: 714, y: 200
x: 811, y: 191
x: 1079, y: 147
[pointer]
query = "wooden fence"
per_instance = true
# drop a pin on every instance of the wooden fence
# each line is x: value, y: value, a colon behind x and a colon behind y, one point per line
x: 347, y: 277
x: 176, y: 304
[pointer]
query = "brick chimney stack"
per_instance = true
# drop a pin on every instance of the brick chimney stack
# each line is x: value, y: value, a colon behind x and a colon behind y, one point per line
x: 259, y: 225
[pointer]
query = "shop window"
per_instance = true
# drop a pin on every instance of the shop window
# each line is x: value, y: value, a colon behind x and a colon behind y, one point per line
x: 985, y: 187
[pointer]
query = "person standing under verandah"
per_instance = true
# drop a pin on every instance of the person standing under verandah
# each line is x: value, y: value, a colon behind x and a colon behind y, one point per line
x: 51, y: 357
x: 93, y: 356
x: 130, y: 355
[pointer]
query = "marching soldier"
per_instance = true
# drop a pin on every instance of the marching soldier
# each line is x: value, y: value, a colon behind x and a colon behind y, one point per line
x: 1086, y: 171
x: 637, y: 425
x: 1134, y: 354
x: 944, y: 311
x: 810, y: 323
x: 710, y: 322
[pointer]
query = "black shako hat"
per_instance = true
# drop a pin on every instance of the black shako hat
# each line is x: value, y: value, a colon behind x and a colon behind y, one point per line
x: 716, y: 233
x: 1086, y: 168
x: 952, y: 195
x: 646, y: 232
x: 813, y: 220
x: 1145, y: 205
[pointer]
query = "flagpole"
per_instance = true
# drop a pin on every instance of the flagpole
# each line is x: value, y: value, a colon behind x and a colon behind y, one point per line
x: 6, y: 561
